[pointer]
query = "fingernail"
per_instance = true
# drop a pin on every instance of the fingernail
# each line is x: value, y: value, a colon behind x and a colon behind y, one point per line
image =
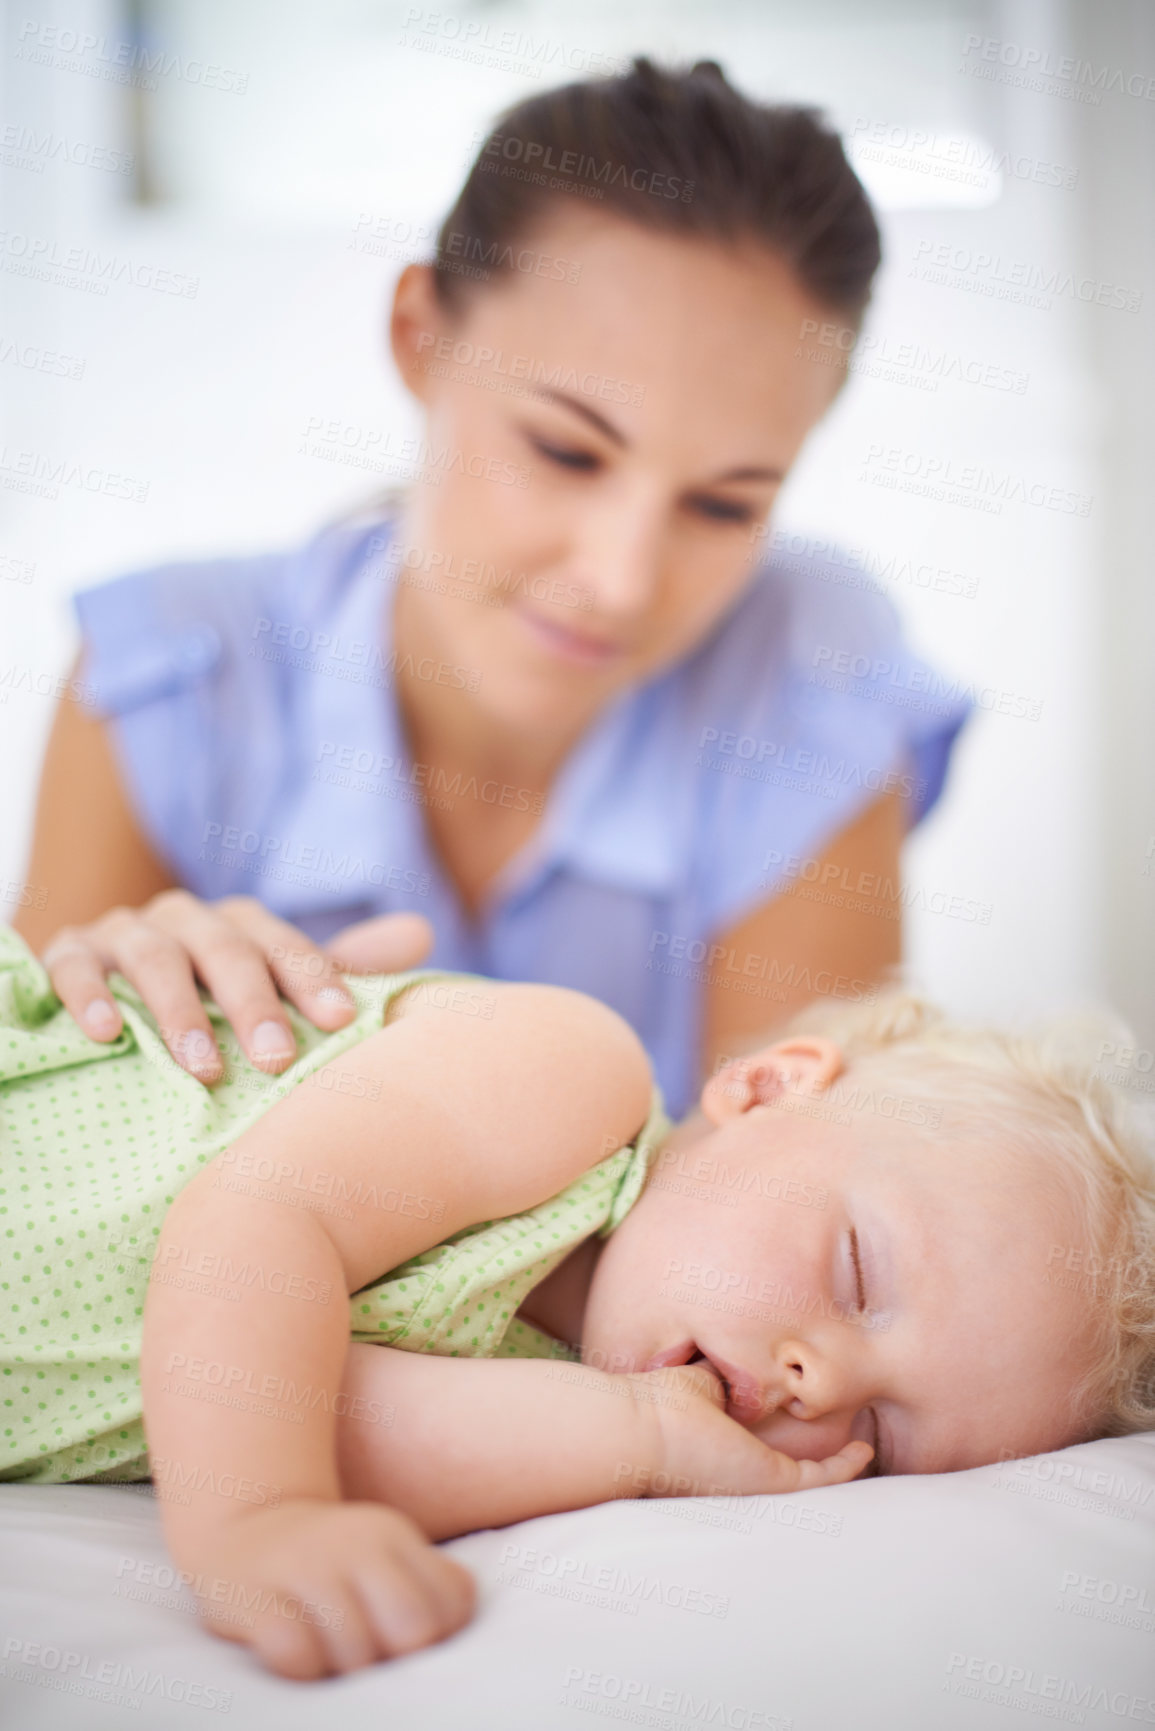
x: 197, y: 1051
x: 331, y: 1000
x: 271, y: 1040
x: 100, y: 1017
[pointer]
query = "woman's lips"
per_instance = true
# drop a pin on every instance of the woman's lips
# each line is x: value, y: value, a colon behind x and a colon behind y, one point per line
x: 566, y: 645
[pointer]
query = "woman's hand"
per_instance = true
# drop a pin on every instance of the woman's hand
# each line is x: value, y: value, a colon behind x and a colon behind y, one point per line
x: 241, y: 953
x: 703, y: 1452
x: 318, y: 1587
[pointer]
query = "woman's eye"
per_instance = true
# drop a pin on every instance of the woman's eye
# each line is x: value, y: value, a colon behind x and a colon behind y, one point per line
x: 725, y: 511
x: 567, y: 458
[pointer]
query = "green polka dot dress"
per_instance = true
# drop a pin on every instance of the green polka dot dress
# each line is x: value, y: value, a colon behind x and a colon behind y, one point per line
x: 96, y: 1140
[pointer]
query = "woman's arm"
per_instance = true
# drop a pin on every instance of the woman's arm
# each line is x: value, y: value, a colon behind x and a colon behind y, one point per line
x: 800, y: 945
x: 487, y: 1116
x: 88, y: 850
x: 111, y: 902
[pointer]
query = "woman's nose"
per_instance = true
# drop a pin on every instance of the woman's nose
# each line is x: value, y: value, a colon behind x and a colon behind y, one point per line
x: 620, y: 559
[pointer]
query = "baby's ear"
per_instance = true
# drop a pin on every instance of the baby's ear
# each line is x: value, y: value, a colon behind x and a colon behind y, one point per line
x: 802, y: 1065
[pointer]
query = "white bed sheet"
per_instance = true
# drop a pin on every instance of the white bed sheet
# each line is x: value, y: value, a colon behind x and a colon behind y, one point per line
x: 889, y: 1605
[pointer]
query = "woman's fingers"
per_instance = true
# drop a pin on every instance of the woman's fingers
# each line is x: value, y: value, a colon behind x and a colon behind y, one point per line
x: 160, y: 968
x: 386, y: 944
x: 236, y: 973
x: 303, y: 973
x: 77, y: 973
x: 246, y: 958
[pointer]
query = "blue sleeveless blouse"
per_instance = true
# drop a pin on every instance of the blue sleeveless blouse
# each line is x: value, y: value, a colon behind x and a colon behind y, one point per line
x: 252, y: 707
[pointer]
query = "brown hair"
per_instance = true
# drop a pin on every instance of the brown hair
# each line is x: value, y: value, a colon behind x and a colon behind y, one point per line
x: 677, y: 150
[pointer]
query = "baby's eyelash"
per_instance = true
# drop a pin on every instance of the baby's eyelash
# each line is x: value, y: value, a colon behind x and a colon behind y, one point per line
x: 856, y: 1260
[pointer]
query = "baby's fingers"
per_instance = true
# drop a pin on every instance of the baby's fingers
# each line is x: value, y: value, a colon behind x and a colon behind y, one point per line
x: 836, y: 1469
x: 413, y: 1606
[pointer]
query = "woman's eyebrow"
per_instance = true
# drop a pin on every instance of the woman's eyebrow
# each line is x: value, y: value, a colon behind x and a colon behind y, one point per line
x: 616, y: 437
x: 579, y: 408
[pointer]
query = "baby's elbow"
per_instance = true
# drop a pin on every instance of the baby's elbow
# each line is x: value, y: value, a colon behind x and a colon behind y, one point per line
x: 596, y: 1050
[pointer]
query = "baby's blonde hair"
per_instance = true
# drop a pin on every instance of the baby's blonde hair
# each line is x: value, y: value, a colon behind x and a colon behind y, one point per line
x: 1035, y: 1094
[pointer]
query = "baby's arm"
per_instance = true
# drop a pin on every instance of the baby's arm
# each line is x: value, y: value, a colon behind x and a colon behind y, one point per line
x: 488, y: 1117
x: 484, y: 1442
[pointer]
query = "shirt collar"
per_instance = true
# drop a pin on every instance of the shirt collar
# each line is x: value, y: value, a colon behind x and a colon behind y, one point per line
x: 619, y: 810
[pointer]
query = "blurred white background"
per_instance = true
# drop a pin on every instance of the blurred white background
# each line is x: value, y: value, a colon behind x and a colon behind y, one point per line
x: 255, y: 178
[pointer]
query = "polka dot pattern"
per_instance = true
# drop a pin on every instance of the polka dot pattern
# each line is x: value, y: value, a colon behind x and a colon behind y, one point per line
x: 96, y: 1140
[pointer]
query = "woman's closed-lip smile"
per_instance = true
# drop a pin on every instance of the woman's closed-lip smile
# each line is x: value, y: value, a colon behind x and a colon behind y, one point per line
x: 569, y: 645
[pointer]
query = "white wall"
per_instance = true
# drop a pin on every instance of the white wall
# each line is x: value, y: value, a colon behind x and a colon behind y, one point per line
x: 205, y: 398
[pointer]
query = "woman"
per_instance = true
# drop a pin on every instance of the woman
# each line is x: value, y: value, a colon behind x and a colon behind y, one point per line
x: 555, y: 703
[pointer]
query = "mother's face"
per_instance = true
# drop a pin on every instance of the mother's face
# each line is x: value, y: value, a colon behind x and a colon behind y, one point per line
x: 601, y: 453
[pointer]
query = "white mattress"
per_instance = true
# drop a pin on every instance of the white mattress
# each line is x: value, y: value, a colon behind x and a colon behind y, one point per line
x: 914, y: 1604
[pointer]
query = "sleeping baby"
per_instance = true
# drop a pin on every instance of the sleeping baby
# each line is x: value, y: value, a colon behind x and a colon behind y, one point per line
x: 455, y: 1268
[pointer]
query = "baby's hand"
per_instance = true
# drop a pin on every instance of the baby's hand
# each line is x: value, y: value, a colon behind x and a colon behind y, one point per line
x: 702, y: 1451
x: 319, y: 1587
